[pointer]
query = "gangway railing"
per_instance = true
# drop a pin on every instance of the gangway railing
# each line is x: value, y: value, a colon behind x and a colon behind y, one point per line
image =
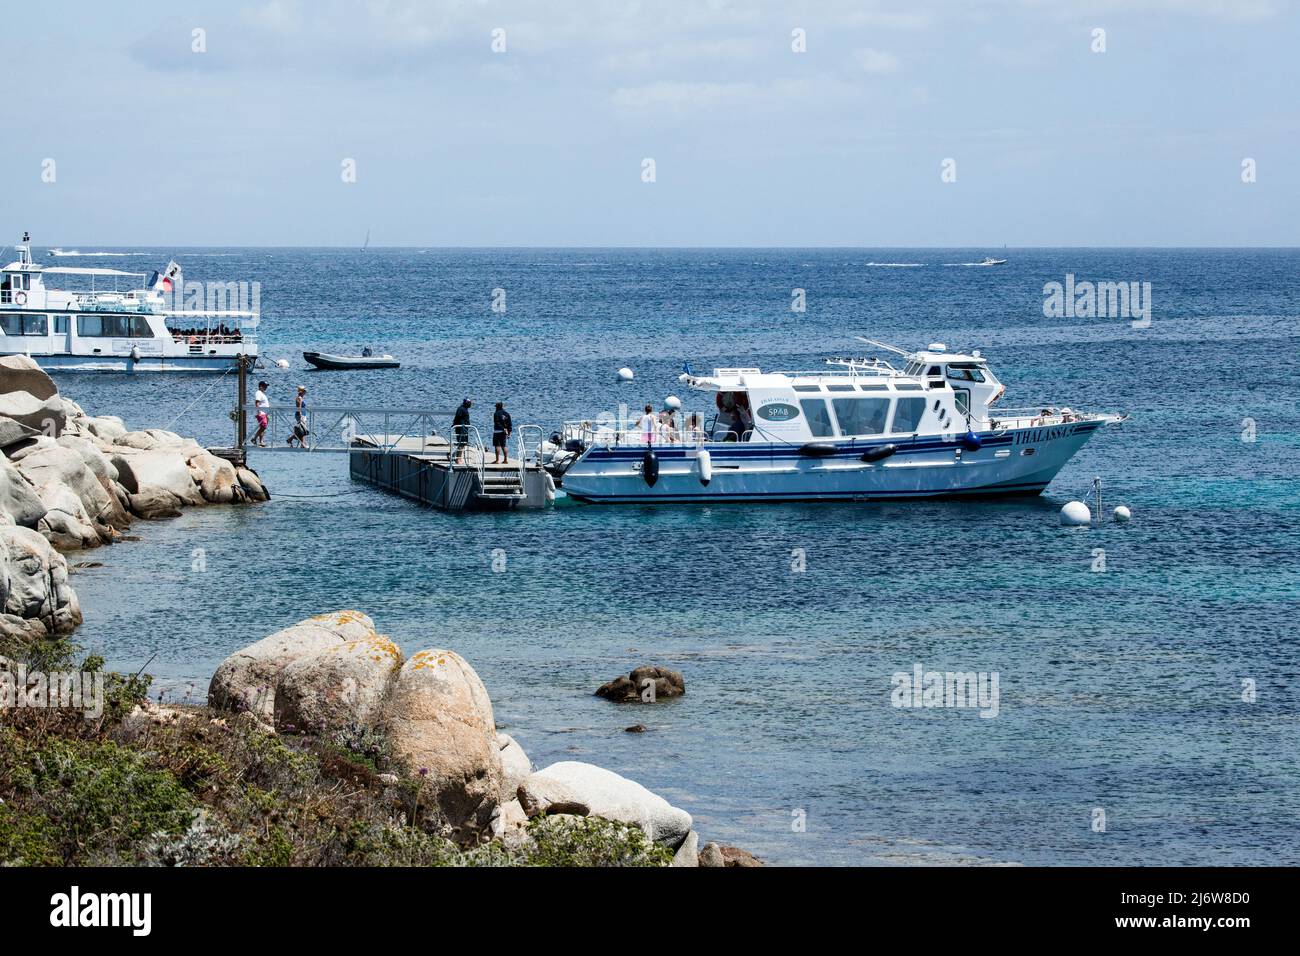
x: 346, y: 427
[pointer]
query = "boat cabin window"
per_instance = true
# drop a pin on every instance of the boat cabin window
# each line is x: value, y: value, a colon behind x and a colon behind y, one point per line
x: 839, y: 388
x: 807, y: 388
x: 734, y: 420
x: 113, y: 326
x: 907, y: 414
x: 818, y: 415
x: 908, y: 386
x: 61, y: 324
x: 965, y: 373
x: 935, y: 370
x: 22, y: 323
x: 861, y: 416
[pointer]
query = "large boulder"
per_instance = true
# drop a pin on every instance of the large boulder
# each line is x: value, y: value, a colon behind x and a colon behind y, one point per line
x: 165, y: 468
x: 66, y: 524
x: 12, y: 432
x: 107, y: 428
x: 216, y: 478
x: 252, y: 485
x: 18, y: 498
x: 439, y: 719
x: 94, y: 459
x: 344, y: 684
x: 612, y: 797
x: 153, y: 504
x: 20, y: 373
x: 61, y: 465
x: 45, y: 415
x: 248, y: 679
x: 38, y: 581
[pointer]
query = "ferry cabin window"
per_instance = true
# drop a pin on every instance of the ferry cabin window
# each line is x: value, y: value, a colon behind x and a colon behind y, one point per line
x: 61, y: 325
x: 113, y: 326
x: 818, y: 415
x: 23, y: 323
x: 861, y: 416
x: 907, y: 415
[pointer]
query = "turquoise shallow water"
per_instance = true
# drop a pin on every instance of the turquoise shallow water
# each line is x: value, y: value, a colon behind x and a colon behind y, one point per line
x: 1118, y: 690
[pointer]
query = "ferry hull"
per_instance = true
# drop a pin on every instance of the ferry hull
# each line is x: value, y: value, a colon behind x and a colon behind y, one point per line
x: 124, y: 363
x: 1020, y: 462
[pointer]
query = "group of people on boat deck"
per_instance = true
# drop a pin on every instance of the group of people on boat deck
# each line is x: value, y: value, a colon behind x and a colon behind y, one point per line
x: 662, y: 429
x: 221, y: 335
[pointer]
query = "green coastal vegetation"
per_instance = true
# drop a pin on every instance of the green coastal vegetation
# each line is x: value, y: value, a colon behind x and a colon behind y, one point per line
x: 190, y: 786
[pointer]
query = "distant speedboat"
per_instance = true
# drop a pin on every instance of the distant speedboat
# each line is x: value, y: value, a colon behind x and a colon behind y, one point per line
x: 324, y: 360
x: 990, y: 261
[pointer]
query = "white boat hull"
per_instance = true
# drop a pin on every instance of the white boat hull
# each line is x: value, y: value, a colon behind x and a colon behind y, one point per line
x: 1011, y: 462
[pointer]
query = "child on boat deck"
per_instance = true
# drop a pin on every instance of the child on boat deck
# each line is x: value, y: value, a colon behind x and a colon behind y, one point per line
x: 668, y: 426
x: 648, y: 425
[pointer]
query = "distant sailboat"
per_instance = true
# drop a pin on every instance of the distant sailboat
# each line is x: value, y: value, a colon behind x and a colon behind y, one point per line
x: 366, y: 245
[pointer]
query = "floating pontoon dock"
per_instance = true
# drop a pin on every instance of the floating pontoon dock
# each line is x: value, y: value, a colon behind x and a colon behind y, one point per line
x: 423, y: 470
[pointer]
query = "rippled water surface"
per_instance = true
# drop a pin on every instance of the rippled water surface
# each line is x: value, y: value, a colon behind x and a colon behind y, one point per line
x: 1120, y: 691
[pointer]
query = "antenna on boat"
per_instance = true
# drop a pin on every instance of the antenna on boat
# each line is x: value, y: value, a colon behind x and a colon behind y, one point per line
x: 882, y: 345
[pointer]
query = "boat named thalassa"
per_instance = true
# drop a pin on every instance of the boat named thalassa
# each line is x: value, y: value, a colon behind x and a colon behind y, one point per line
x: 858, y: 429
x: 117, y: 330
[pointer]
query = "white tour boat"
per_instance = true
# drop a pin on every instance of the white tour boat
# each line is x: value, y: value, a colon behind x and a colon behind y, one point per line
x: 113, y: 330
x: 859, y: 429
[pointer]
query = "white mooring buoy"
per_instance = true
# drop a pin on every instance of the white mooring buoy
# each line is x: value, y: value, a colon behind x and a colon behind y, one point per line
x: 625, y: 374
x: 281, y: 363
x: 1075, y: 513
x: 673, y: 402
x: 1122, y: 514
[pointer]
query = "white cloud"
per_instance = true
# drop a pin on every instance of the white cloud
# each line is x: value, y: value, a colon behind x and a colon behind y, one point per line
x: 681, y: 97
x: 877, y: 61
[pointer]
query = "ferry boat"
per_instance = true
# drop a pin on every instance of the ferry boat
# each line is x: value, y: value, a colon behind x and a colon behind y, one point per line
x: 858, y: 429
x: 113, y: 330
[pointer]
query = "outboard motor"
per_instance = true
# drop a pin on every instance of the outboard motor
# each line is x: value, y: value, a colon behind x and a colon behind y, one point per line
x: 650, y: 467
x: 879, y: 453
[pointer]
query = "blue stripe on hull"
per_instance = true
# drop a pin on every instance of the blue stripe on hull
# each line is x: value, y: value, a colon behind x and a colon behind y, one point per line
x: 988, y: 492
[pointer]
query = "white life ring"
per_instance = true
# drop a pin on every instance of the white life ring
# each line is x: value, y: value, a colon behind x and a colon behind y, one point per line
x: 20, y: 297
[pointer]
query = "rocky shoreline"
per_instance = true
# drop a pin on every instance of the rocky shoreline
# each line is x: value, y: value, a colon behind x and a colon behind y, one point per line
x: 380, y: 758
x: 70, y: 481
x: 334, y: 677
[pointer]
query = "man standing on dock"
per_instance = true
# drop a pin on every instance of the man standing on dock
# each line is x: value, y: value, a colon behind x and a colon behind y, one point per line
x: 501, y: 429
x: 460, y: 424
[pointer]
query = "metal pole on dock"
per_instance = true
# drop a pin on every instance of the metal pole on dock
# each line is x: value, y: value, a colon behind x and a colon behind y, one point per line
x: 241, y: 421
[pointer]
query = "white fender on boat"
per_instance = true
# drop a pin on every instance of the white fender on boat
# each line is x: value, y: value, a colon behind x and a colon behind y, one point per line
x: 550, y: 485
x: 673, y: 402
x: 135, y: 353
x: 1122, y: 514
x: 625, y: 374
x: 1075, y: 513
x: 704, y: 465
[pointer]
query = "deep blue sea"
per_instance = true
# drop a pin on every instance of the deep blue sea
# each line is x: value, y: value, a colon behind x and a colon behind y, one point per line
x: 1121, y: 692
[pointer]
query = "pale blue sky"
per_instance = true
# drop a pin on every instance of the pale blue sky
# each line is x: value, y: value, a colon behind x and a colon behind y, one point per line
x: 754, y: 144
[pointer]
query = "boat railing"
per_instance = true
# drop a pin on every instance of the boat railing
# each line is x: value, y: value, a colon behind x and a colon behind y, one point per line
x: 628, y: 435
x: 529, y: 440
x: 1033, y: 416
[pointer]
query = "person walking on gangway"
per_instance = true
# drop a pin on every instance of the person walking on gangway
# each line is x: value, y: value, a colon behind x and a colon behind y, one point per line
x: 460, y: 424
x: 300, y: 431
x: 261, y: 403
